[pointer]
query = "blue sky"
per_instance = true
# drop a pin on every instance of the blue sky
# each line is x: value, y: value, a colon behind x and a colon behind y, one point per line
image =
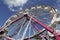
x: 5, y: 12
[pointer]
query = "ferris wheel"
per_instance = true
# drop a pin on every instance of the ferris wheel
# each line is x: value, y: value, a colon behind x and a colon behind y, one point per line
x: 30, y: 24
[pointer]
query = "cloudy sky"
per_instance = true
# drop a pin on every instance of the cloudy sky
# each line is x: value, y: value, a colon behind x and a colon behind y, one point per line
x: 10, y: 7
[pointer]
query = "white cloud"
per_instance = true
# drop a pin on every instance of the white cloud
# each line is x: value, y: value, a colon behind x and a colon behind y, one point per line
x: 15, y: 3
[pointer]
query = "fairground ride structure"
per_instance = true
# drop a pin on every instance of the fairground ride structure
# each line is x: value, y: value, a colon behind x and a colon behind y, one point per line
x: 35, y: 23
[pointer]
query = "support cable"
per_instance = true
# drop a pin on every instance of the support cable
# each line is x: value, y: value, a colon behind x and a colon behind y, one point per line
x: 26, y: 29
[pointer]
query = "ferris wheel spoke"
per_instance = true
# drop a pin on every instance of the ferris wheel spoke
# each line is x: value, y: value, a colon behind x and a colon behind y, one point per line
x: 13, y: 27
x: 36, y: 28
x: 29, y: 32
x: 31, y: 29
x: 26, y: 29
x: 36, y: 35
x: 20, y: 27
x: 34, y: 31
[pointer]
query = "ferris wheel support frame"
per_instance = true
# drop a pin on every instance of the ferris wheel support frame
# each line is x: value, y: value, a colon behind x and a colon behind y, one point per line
x: 46, y: 27
x: 43, y: 25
